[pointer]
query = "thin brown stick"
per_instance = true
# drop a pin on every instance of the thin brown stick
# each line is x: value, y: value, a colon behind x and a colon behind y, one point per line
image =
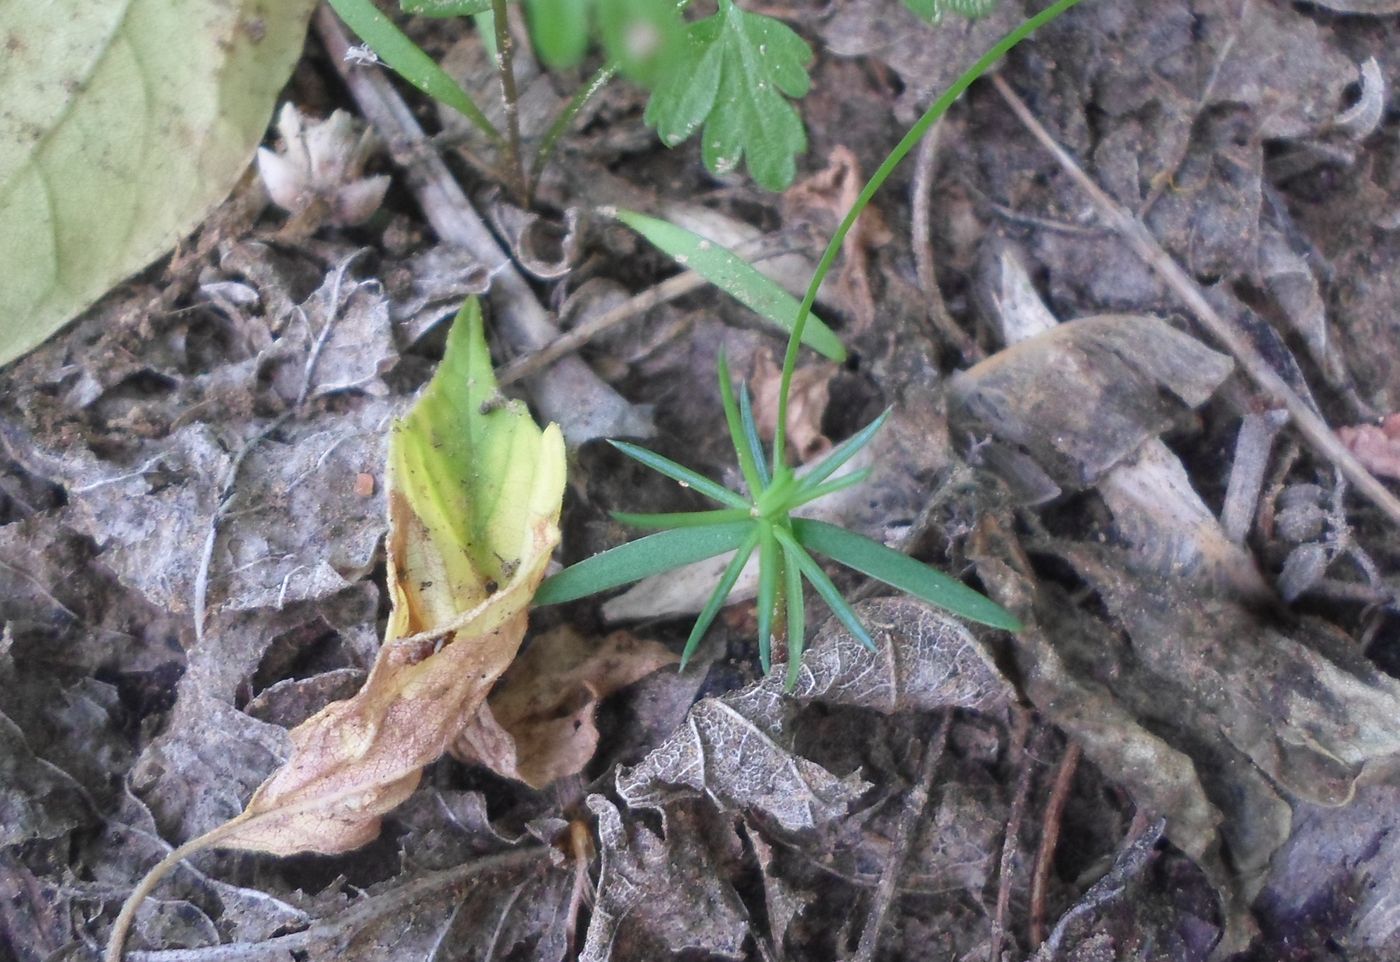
x: 1009, y: 845
x: 904, y: 833
x: 1309, y: 424
x: 925, y: 165
x: 1049, y: 839
x: 662, y: 293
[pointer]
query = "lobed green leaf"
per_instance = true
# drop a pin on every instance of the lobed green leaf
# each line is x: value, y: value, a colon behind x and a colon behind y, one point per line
x: 731, y: 76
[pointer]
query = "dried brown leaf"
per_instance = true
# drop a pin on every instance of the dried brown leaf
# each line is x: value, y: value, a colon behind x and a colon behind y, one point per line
x: 1376, y: 445
x: 538, y: 725
x: 807, y: 400
x: 666, y: 894
x: 824, y: 198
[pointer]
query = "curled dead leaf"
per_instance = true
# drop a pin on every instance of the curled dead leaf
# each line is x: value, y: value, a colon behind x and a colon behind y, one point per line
x: 474, y: 490
x: 538, y: 725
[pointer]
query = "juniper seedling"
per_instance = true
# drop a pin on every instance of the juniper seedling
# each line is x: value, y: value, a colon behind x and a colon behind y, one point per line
x: 762, y: 520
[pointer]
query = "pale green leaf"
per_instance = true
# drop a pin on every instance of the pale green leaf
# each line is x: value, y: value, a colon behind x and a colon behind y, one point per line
x: 469, y: 476
x: 123, y: 125
x: 736, y: 277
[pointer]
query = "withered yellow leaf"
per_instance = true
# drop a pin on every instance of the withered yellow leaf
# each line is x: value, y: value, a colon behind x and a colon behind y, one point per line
x: 474, y: 490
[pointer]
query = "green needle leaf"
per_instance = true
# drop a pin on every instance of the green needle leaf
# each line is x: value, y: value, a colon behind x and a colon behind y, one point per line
x: 902, y: 572
x: 718, y: 597
x: 843, y: 452
x: 681, y: 519
x: 804, y: 495
x: 747, y: 465
x: 768, y: 573
x: 797, y: 618
x: 751, y: 434
x: 638, y: 559
x: 814, y: 573
x: 409, y: 61
x: 678, y: 472
x: 736, y: 277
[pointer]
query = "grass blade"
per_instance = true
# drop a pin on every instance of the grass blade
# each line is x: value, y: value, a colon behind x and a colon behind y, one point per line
x: 410, y: 62
x: 828, y: 591
x: 680, y: 519
x: 843, y: 452
x: 796, y: 618
x: 638, y: 559
x: 747, y: 465
x: 679, y: 472
x: 751, y: 434
x: 902, y: 572
x: 767, y: 593
x: 804, y: 495
x: 718, y: 597
x: 736, y: 277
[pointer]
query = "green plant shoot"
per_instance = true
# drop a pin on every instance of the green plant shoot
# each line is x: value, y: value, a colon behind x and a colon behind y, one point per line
x: 761, y: 519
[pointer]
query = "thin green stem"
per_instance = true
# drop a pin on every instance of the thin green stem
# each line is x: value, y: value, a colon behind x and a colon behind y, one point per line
x: 510, y: 98
x: 566, y: 117
x: 877, y: 180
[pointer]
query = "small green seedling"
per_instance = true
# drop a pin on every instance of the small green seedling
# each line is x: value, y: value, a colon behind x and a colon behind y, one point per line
x: 762, y: 521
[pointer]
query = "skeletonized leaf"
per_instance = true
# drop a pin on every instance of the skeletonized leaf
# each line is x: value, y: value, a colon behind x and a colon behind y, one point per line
x: 124, y: 124
x: 737, y: 749
x: 736, y: 277
x: 474, y: 491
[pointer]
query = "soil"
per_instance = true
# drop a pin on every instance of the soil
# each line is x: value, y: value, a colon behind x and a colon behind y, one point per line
x: 1187, y: 753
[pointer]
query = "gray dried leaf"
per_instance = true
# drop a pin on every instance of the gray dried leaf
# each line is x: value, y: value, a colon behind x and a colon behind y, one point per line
x: 37, y: 799
x: 663, y: 894
x: 1334, y: 876
x: 1302, y: 570
x: 737, y: 749
x: 924, y: 660
x: 430, y: 287
x: 1290, y: 279
x: 1299, y: 701
x: 340, y: 338
x: 783, y: 901
x: 1085, y: 395
x: 729, y: 749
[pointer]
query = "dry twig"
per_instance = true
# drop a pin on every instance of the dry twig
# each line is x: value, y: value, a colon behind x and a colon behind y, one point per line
x: 905, y: 832
x: 1049, y: 838
x: 1310, y: 425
